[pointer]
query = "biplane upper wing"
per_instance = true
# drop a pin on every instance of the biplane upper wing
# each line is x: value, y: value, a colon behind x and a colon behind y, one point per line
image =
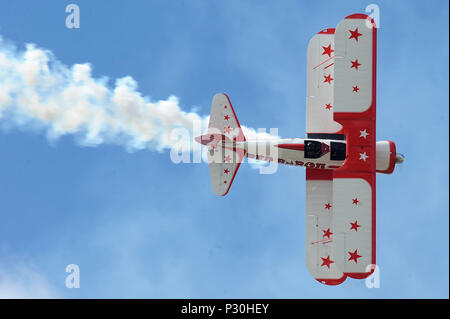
x: 349, y: 192
x: 320, y: 255
x: 320, y: 83
x: 319, y: 183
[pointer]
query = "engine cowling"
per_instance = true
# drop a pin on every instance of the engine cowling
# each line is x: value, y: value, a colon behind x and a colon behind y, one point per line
x: 387, y: 157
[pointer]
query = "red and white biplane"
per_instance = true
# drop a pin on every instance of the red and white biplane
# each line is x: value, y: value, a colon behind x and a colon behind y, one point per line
x: 340, y: 152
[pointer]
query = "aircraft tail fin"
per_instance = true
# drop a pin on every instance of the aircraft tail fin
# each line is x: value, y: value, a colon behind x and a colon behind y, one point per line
x: 224, y: 155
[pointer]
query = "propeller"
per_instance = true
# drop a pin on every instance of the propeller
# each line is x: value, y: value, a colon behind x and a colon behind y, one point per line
x: 399, y: 158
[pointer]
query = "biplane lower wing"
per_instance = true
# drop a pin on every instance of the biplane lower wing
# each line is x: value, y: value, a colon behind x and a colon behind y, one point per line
x: 348, y: 192
x: 340, y: 225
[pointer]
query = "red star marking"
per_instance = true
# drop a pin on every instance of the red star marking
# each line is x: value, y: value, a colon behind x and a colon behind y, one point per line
x: 355, y: 64
x: 354, y: 256
x: 355, y: 201
x: 224, y: 106
x: 355, y: 88
x: 328, y: 106
x: 226, y: 117
x: 327, y: 233
x: 226, y: 171
x: 354, y: 34
x: 326, y: 262
x: 328, y: 78
x: 227, y: 130
x: 354, y: 225
x: 228, y: 158
x: 328, y: 206
x: 327, y: 50
x: 224, y: 182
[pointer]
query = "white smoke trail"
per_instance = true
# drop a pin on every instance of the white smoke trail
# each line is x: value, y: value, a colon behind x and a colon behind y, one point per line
x: 38, y: 91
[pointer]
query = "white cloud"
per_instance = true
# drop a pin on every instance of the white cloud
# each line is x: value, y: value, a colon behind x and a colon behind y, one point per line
x: 23, y: 281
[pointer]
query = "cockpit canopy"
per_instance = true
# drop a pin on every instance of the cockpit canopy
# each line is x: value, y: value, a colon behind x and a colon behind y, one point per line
x: 316, y: 149
x: 338, y: 151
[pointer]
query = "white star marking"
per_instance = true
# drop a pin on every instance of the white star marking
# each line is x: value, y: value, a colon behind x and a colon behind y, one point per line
x: 363, y: 156
x: 363, y: 134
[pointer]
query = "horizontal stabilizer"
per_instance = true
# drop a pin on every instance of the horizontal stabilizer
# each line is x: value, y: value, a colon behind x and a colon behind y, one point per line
x: 224, y: 157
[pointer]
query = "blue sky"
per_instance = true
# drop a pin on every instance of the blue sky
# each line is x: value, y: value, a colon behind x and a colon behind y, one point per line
x: 140, y: 226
